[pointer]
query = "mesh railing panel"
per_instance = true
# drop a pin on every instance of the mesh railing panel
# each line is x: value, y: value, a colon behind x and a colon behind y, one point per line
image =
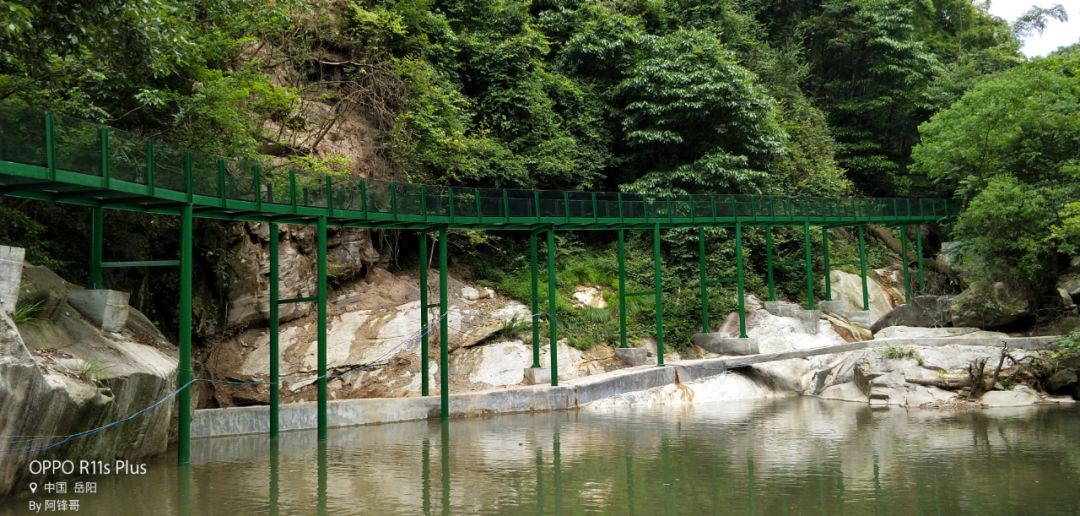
x: 240, y: 179
x: 78, y: 145
x: 22, y: 134
x: 127, y: 157
x: 379, y: 196
x: 204, y: 174
x: 169, y: 164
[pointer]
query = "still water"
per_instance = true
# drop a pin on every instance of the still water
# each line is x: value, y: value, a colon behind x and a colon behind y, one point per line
x: 795, y: 456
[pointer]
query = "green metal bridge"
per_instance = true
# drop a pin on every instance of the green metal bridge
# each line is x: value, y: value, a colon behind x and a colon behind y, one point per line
x: 49, y: 157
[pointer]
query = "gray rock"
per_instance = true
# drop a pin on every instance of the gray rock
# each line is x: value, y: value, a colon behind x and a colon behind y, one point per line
x: 537, y: 375
x: 1062, y: 382
x: 863, y: 376
x: 11, y: 265
x: 68, y: 379
x: 820, y: 380
x: 1020, y: 396
x: 847, y: 295
x: 106, y: 308
x: 632, y: 356
x: 1070, y: 283
x: 844, y: 392
x: 921, y: 311
x: 987, y: 304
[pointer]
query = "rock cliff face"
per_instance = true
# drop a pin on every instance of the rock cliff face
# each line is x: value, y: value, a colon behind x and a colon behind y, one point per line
x: 349, y: 253
x: 373, y: 345
x: 86, y: 377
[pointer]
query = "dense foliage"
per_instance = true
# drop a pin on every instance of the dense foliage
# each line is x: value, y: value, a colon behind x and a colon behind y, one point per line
x: 1010, y: 149
x: 797, y: 97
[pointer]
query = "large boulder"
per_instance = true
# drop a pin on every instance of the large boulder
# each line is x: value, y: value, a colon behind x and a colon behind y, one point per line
x: 992, y: 304
x: 86, y: 378
x: 847, y: 291
x: 921, y: 311
x: 1069, y: 281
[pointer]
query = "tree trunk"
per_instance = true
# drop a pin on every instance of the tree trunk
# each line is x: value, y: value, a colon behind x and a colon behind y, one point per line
x: 893, y: 244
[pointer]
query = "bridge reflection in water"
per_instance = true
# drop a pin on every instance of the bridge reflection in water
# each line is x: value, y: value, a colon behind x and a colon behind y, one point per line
x: 793, y: 455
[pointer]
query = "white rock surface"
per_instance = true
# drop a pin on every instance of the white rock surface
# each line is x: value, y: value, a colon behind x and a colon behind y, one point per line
x: 1020, y: 396
x: 724, y: 387
x: 585, y: 295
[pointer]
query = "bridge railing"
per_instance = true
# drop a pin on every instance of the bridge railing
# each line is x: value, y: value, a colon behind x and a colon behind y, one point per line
x: 62, y: 146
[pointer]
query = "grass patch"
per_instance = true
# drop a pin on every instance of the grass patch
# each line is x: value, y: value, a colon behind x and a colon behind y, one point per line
x: 899, y: 352
x: 26, y: 313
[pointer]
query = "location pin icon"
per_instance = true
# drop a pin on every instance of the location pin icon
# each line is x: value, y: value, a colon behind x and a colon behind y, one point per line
x: 33, y: 487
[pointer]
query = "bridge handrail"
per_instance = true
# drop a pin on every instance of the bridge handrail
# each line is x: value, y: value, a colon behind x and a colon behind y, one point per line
x: 65, y: 145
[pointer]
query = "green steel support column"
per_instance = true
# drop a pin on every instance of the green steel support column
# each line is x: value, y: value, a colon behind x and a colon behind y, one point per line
x: 534, y: 286
x: 321, y: 314
x: 424, y: 337
x: 769, y: 263
x: 809, y: 267
x: 621, y: 250
x: 659, y: 295
x: 553, y: 326
x: 904, y: 263
x: 918, y: 251
x: 825, y: 253
x: 703, y: 281
x: 183, y: 381
x: 444, y: 331
x: 741, y: 285
x: 275, y: 354
x: 862, y: 268
x: 97, y: 245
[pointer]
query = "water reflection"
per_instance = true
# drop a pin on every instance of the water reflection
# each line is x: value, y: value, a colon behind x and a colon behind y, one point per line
x: 788, y: 456
x: 275, y: 474
x: 322, y: 458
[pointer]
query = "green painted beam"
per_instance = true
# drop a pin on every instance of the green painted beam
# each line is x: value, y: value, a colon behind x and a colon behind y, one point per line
x: 275, y: 352
x: 553, y: 324
x: 809, y: 266
x: 183, y: 369
x: 444, y: 330
x: 703, y: 281
x: 770, y: 263
x: 621, y: 256
x: 825, y: 256
x: 919, y: 258
x: 321, y: 314
x: 534, y: 298
x: 140, y: 263
x: 658, y: 288
x: 741, y: 291
x: 862, y: 268
x: 97, y: 247
x: 904, y: 263
x: 424, y: 306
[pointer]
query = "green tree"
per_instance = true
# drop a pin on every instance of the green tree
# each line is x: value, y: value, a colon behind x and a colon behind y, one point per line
x: 695, y: 120
x: 1010, y: 150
